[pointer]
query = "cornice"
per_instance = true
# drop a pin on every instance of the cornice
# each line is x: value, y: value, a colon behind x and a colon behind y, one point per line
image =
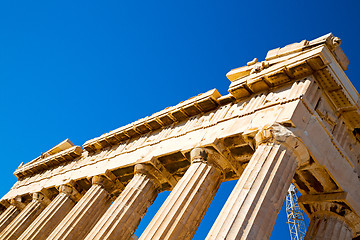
x: 322, y: 58
x: 42, y: 164
x: 202, y: 103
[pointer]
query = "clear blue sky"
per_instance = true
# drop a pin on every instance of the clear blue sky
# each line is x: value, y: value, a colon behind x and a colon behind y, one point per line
x: 78, y: 69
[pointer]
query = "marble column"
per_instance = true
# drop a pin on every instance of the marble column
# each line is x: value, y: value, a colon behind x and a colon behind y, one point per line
x: 11, y: 212
x: 83, y: 216
x: 3, y: 208
x: 124, y: 215
x: 52, y: 215
x: 25, y: 217
x: 251, y: 209
x: 327, y: 223
x: 183, y: 210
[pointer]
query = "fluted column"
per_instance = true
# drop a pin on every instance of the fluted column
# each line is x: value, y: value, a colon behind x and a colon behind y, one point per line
x: 251, y: 209
x: 26, y: 216
x: 124, y: 215
x: 327, y: 222
x: 328, y: 227
x: 83, y: 216
x: 11, y: 212
x: 183, y: 210
x: 52, y: 215
x: 2, y: 207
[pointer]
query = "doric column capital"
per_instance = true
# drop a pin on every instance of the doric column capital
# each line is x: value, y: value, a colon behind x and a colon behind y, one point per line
x: 5, y: 203
x: 102, y: 181
x: 328, y: 208
x: 333, y: 219
x: 207, y: 156
x: 70, y: 190
x: 285, y: 137
x: 41, y: 197
x: 125, y: 213
x: 331, y: 206
x: 86, y: 212
x: 109, y: 182
x: 17, y: 202
x: 149, y: 171
x: 334, y: 210
x: 181, y: 213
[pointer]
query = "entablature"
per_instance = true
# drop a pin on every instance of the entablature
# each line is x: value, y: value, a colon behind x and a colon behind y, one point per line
x: 44, y: 163
x: 179, y: 113
x: 322, y: 58
x: 167, y: 148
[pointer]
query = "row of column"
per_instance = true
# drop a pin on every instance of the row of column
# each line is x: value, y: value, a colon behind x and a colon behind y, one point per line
x: 249, y: 213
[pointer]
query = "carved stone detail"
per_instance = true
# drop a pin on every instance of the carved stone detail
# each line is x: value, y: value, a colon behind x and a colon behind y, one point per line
x: 109, y: 182
x: 84, y: 215
x: 328, y: 222
x: 283, y: 136
x: 333, y: 42
x: 16, y: 205
x: 207, y: 156
x: 251, y: 210
x: 182, y: 211
x: 259, y: 66
x: 17, y: 202
x: 123, y: 216
x: 7, y: 216
x: 150, y: 172
x: 26, y: 217
x: 52, y: 215
x: 41, y: 198
x: 329, y: 216
x: 70, y: 191
x: 328, y: 227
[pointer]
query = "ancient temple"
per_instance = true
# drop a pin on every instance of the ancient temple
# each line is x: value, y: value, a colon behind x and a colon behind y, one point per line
x: 294, y: 117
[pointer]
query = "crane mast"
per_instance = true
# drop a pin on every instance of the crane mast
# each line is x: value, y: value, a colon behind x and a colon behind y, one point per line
x: 294, y: 215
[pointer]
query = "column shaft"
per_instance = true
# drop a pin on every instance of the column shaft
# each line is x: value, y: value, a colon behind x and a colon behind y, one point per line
x: 52, y: 215
x: 124, y: 215
x: 183, y: 210
x: 252, y: 208
x: 328, y: 227
x: 83, y: 216
x: 6, y: 217
x: 25, y: 218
